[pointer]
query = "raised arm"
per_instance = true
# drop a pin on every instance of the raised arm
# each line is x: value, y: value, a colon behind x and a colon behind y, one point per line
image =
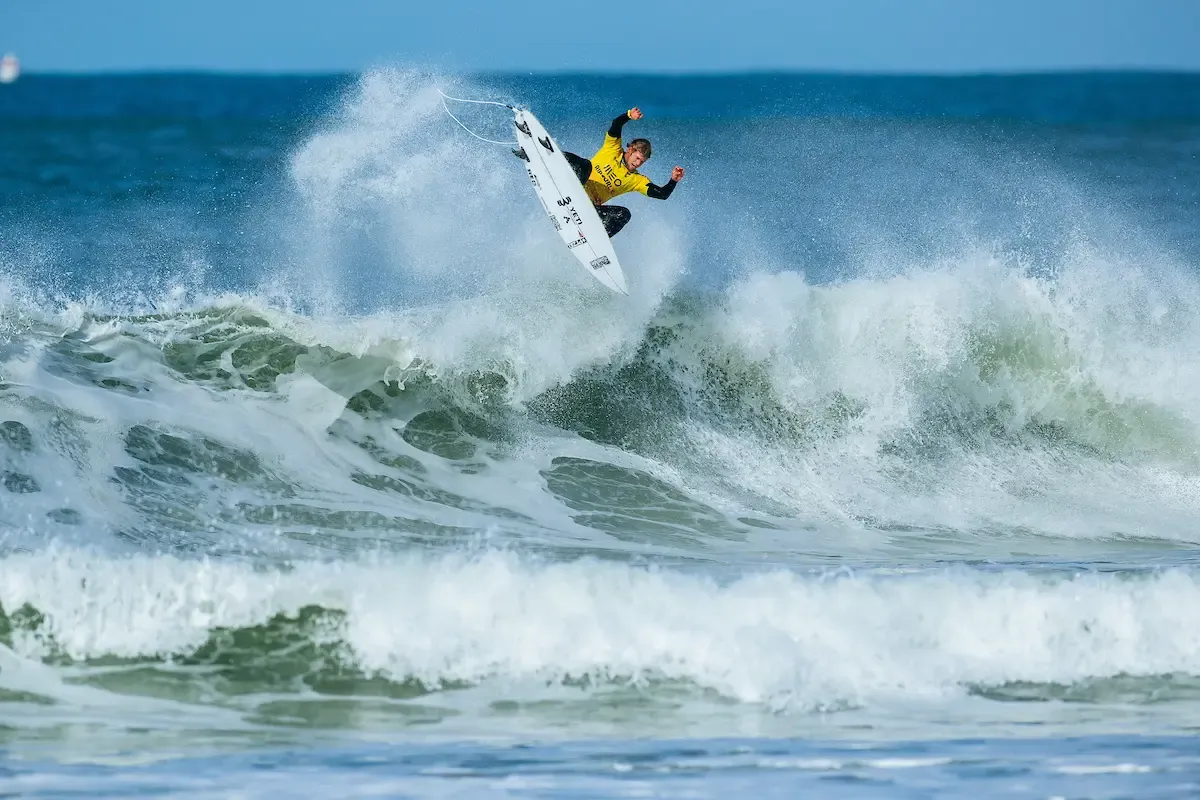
x: 618, y: 123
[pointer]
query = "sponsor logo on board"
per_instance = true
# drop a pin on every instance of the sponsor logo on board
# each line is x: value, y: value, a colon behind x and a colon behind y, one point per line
x: 602, y: 261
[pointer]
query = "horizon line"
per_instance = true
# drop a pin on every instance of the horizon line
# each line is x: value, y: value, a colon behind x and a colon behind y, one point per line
x: 602, y: 73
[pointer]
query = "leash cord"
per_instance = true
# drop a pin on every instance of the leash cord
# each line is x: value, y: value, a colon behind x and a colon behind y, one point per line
x: 446, y: 97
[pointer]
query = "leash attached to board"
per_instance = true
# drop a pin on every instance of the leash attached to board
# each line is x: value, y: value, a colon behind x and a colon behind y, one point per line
x: 446, y: 97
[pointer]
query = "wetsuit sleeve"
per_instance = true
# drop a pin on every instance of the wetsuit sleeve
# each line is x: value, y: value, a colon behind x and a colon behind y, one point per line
x: 614, y: 130
x: 660, y: 192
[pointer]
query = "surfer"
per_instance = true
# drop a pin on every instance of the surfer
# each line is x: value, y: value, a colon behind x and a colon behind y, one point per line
x: 613, y: 172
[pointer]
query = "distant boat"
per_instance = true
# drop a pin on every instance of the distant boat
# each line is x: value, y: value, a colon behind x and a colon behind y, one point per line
x: 10, y: 68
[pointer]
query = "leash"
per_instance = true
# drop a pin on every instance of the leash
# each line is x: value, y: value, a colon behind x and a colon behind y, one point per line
x: 446, y: 97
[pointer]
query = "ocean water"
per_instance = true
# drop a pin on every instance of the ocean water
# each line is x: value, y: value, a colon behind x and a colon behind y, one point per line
x: 327, y: 472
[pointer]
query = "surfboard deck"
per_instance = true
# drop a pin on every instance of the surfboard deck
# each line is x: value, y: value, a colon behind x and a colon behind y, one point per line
x: 568, y: 206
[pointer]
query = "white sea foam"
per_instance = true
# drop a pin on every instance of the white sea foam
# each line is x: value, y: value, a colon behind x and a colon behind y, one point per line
x: 784, y: 639
x: 967, y: 395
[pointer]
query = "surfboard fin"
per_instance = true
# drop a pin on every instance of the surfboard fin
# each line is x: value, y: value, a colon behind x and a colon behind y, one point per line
x: 522, y: 127
x: 519, y: 152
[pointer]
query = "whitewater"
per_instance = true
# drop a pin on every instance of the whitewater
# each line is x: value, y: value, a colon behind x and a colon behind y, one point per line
x: 319, y: 453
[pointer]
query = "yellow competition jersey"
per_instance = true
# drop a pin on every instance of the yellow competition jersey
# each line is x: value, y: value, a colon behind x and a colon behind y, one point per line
x: 610, y: 177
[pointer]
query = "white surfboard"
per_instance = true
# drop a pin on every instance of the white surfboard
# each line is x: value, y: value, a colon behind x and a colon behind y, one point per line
x: 569, y: 208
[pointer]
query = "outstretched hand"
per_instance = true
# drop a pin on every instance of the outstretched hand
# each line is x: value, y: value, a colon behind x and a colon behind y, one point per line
x: 635, y: 113
x: 677, y: 174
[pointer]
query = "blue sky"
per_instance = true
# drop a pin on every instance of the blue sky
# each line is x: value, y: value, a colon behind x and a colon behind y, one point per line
x: 627, y: 35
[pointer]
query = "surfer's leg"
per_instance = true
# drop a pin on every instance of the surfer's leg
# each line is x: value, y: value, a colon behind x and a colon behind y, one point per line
x: 582, y: 167
x: 614, y: 218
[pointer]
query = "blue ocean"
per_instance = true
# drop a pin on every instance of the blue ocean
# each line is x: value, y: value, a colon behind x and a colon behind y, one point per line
x: 326, y: 471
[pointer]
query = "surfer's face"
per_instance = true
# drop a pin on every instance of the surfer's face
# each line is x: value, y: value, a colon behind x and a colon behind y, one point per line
x: 634, y: 158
